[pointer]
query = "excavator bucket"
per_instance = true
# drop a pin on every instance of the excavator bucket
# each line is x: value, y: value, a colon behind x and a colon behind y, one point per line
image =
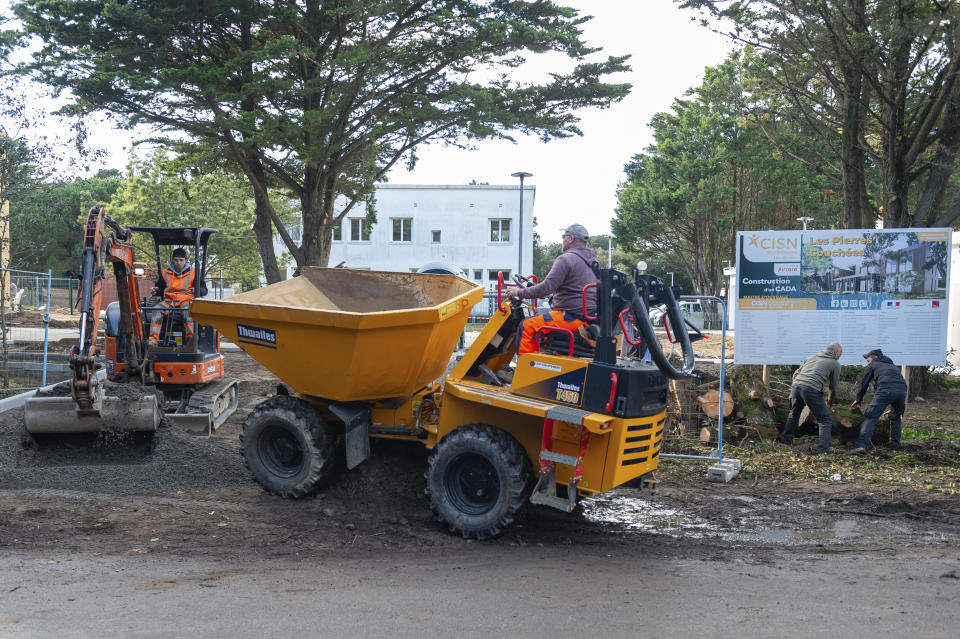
x: 51, y: 415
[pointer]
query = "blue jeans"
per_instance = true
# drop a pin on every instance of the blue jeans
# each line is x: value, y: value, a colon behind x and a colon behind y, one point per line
x: 801, y: 396
x: 897, y: 402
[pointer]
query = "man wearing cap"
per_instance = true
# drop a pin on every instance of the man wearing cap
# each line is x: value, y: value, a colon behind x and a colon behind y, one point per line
x: 176, y: 285
x: 570, y: 273
x: 807, y: 390
x: 889, y: 388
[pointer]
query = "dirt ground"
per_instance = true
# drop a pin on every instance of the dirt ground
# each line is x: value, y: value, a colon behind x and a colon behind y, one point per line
x: 708, y: 348
x: 59, y: 318
x: 180, y: 498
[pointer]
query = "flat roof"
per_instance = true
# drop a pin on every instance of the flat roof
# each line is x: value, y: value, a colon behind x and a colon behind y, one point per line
x: 457, y: 187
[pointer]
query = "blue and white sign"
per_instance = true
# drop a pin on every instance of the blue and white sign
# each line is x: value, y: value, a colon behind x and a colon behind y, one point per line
x: 799, y: 290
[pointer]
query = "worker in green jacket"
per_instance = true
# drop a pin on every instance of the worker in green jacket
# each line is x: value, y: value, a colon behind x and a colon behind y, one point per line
x: 809, y: 382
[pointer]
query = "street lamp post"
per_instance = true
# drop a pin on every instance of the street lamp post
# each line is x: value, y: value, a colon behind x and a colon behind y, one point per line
x: 670, y: 273
x: 521, y: 175
x: 805, y: 219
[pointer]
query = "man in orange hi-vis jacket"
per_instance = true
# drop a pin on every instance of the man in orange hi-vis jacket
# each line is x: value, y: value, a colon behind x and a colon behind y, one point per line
x: 176, y: 284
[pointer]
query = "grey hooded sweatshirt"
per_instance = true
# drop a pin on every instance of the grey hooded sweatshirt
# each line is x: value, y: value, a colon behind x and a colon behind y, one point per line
x: 817, y: 370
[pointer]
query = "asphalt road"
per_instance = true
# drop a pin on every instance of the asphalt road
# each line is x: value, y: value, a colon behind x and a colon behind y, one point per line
x: 485, y: 591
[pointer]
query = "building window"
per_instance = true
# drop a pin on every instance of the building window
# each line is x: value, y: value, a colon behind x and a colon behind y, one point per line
x: 493, y: 274
x: 401, y: 229
x: 436, y: 237
x: 338, y: 233
x: 358, y: 230
x: 478, y: 274
x: 500, y: 230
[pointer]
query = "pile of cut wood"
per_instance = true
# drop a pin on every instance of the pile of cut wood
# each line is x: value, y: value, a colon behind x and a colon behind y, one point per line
x: 752, y: 407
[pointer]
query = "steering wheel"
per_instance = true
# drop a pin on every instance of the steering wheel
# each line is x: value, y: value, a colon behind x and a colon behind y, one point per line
x: 523, y: 282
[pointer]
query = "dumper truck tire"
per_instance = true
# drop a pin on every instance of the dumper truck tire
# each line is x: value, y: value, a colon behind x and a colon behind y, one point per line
x: 290, y: 449
x: 478, y: 480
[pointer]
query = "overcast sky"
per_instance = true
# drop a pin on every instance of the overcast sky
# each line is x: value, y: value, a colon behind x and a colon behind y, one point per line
x: 576, y: 179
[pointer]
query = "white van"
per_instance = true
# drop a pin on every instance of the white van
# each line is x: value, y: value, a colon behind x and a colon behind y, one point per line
x: 693, y: 312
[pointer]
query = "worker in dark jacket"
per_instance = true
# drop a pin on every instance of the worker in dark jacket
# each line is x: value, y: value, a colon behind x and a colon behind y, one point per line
x: 571, y: 272
x: 816, y: 372
x: 889, y: 389
x: 176, y: 285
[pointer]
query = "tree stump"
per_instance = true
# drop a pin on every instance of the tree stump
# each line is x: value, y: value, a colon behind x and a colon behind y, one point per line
x: 710, y: 403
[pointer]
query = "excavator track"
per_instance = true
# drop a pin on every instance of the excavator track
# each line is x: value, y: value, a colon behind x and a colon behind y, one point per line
x: 210, y: 405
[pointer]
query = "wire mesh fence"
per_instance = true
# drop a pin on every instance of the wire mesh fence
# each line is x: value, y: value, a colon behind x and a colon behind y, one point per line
x: 36, y: 311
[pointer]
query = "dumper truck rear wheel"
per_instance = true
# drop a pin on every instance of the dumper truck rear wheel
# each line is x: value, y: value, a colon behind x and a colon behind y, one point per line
x: 478, y: 479
x: 289, y: 448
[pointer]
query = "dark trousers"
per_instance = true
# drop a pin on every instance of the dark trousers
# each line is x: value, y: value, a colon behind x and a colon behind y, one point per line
x: 881, y: 399
x: 801, y: 396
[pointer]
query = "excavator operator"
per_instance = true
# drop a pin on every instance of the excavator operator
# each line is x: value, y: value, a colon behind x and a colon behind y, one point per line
x: 176, y: 285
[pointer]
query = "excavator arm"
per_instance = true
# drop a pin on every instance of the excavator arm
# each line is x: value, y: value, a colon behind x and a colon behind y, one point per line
x: 88, y: 410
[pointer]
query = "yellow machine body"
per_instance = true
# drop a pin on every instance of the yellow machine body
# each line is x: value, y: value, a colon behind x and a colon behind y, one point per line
x: 368, y: 350
x: 617, y: 450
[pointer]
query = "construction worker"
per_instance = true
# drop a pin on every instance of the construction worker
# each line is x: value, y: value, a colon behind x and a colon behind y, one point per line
x: 570, y: 273
x: 889, y: 389
x: 176, y: 285
x: 818, y: 373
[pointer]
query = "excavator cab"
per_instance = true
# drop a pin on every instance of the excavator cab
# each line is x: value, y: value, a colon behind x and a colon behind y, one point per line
x: 172, y: 334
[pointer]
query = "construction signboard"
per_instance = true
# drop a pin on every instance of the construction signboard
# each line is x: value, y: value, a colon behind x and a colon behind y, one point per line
x: 799, y: 290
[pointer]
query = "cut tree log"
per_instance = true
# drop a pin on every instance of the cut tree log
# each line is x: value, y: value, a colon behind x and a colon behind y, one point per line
x: 710, y: 403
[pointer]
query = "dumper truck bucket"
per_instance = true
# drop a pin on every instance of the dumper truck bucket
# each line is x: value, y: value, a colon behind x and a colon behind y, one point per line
x: 348, y: 335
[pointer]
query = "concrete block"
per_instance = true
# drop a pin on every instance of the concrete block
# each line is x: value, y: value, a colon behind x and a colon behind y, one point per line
x: 724, y: 471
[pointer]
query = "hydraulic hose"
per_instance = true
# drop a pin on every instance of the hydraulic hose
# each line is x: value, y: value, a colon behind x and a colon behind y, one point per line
x: 638, y: 307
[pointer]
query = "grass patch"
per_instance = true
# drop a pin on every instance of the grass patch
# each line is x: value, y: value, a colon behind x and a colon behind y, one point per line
x: 925, y: 462
x: 910, y: 434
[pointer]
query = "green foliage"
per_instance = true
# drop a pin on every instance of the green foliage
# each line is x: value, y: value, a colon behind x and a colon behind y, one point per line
x: 47, y: 221
x: 943, y: 380
x: 543, y: 257
x: 319, y: 99
x: 712, y: 170
x: 165, y: 191
x: 877, y: 84
x: 850, y: 373
x: 929, y: 433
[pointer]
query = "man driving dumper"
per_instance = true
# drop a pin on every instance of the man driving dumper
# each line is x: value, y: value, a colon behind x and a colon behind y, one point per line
x: 571, y: 272
x: 175, y: 284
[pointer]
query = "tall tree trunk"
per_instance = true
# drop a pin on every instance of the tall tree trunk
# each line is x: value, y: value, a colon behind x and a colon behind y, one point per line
x: 929, y: 207
x: 263, y: 230
x: 916, y: 381
x: 263, y: 226
x: 852, y: 177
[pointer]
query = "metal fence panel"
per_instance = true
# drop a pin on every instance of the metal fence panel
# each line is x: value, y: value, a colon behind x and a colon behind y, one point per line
x: 37, y: 311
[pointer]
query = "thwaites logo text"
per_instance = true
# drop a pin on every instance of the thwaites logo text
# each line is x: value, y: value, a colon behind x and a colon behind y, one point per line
x: 256, y: 335
x: 569, y: 393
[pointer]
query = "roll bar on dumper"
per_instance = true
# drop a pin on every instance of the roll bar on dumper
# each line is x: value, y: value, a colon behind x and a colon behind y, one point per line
x: 362, y: 354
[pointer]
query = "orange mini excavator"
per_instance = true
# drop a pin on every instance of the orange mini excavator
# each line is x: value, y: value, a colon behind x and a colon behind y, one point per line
x: 180, y: 380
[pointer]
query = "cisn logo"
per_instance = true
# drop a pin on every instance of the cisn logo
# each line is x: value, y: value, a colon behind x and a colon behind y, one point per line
x: 772, y: 243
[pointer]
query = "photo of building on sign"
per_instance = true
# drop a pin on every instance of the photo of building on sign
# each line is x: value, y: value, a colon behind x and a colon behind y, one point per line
x: 902, y: 265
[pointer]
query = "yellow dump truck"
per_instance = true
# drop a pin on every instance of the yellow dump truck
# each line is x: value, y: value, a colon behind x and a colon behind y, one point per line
x: 364, y: 355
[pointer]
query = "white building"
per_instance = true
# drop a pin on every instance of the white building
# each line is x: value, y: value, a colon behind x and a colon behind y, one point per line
x: 474, y: 227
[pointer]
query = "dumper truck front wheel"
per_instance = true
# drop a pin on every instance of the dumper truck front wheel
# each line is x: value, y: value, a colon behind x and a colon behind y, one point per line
x: 290, y: 449
x: 478, y: 479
